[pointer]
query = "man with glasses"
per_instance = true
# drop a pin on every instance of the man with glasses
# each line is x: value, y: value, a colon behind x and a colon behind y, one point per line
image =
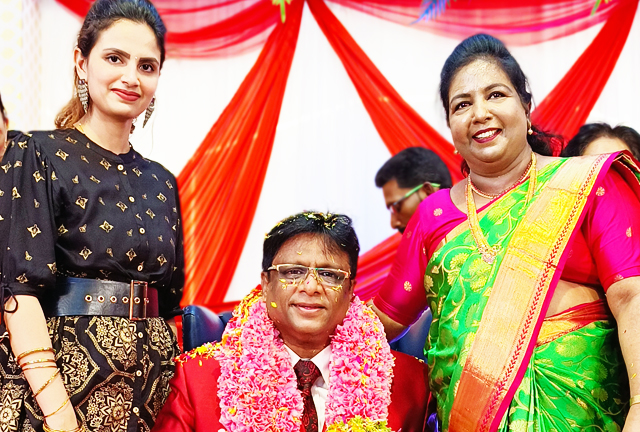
x: 302, y: 352
x: 408, y: 178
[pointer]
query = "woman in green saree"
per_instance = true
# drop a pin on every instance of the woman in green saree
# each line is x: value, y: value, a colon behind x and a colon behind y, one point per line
x: 535, y: 294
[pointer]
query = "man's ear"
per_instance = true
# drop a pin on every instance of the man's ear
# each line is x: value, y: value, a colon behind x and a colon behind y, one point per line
x: 426, y: 190
x: 264, y: 281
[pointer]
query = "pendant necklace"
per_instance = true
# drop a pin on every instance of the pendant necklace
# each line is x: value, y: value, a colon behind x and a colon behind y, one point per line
x: 487, y: 251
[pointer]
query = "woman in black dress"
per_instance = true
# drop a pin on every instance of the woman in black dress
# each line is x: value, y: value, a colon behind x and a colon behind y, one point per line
x: 91, y: 256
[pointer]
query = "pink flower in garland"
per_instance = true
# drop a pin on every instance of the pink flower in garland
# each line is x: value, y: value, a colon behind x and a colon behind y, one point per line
x: 257, y: 390
x: 361, y: 368
x: 257, y: 386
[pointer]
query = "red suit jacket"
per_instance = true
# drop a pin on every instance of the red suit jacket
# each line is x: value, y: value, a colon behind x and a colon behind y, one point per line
x: 193, y: 404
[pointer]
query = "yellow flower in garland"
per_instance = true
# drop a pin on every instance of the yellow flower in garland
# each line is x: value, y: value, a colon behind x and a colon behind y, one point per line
x: 359, y: 424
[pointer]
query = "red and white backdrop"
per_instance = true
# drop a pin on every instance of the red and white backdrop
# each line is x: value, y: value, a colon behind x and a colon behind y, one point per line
x: 270, y: 107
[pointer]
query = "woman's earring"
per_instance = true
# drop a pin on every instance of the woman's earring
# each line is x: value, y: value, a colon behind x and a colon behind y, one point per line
x: 133, y: 126
x: 83, y: 94
x: 150, y: 108
x: 530, y: 131
x: 455, y: 151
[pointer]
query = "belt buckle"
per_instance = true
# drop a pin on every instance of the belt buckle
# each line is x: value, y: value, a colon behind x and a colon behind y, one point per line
x: 143, y: 300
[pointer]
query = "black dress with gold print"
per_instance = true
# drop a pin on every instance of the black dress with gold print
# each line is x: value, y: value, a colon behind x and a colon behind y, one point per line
x: 71, y: 208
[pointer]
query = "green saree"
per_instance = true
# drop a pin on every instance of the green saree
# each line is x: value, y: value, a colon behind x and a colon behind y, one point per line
x: 496, y: 363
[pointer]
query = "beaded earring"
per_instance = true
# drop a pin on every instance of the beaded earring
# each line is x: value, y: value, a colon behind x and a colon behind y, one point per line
x: 150, y: 108
x: 83, y: 94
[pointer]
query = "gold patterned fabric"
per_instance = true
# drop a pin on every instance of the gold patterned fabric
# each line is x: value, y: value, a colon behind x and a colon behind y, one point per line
x: 71, y: 208
x: 116, y: 372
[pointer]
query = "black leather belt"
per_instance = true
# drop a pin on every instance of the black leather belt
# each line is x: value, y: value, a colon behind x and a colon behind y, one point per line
x: 79, y: 296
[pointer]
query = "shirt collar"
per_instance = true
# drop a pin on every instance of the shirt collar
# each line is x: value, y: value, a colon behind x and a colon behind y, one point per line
x: 322, y: 360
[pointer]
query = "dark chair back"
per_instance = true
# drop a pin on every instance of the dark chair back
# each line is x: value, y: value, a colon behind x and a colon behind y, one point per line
x: 412, y: 342
x: 199, y: 326
x: 225, y: 316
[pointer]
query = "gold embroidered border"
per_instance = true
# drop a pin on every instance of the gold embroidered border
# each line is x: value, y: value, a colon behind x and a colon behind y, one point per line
x: 518, y: 295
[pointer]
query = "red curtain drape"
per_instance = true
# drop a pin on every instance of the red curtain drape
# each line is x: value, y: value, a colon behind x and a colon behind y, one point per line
x: 206, y: 29
x: 399, y: 125
x: 522, y: 22
x: 221, y: 184
x: 568, y: 105
x: 374, y: 266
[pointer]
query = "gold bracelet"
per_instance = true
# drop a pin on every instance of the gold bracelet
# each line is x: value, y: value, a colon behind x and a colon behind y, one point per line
x: 42, y: 360
x: 634, y: 400
x: 46, y: 428
x: 49, y: 381
x: 61, y: 406
x: 33, y: 351
x: 40, y: 366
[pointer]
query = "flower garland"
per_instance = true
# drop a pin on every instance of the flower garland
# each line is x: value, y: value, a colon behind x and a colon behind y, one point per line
x: 257, y: 386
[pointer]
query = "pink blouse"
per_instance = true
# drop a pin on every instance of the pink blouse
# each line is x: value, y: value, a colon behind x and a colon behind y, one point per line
x: 605, y: 250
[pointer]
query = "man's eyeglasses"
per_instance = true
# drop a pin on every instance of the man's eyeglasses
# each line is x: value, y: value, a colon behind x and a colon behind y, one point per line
x: 396, y: 207
x: 296, y: 274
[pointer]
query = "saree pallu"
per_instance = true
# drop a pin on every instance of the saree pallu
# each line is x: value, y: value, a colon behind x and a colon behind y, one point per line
x: 487, y: 373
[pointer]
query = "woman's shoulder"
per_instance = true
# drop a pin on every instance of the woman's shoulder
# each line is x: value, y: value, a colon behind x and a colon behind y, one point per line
x: 436, y: 204
x: 41, y: 141
x: 22, y: 146
x: 434, y: 212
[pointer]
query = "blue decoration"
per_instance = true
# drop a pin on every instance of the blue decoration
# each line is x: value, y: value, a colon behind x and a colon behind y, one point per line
x: 432, y: 9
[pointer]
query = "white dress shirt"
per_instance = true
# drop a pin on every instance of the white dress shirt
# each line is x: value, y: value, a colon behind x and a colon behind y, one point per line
x: 320, y: 388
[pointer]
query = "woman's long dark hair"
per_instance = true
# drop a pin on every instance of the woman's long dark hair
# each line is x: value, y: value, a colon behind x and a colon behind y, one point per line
x: 485, y: 47
x: 102, y: 15
x: 3, y: 113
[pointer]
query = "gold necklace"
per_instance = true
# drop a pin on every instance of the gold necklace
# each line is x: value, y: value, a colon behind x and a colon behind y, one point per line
x: 489, y: 196
x: 78, y: 126
x: 487, y: 251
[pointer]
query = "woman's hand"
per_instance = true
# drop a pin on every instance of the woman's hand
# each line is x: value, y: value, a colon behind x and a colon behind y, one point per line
x: 392, y: 329
x: 63, y: 420
x: 171, y: 322
x: 624, y: 301
x: 632, y: 423
x: 28, y: 331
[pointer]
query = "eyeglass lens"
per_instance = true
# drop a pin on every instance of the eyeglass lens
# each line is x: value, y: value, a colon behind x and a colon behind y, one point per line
x: 292, y: 273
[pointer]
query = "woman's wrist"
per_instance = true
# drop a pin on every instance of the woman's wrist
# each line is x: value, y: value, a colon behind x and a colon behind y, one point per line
x: 63, y: 420
x: 48, y: 427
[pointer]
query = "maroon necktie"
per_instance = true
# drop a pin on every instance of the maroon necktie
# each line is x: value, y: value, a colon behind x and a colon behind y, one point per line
x: 307, y: 374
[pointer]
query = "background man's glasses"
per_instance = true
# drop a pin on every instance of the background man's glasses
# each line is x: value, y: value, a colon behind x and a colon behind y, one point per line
x: 296, y: 274
x: 396, y: 207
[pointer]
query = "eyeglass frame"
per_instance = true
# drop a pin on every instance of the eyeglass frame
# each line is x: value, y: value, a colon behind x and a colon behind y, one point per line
x: 396, y: 206
x: 315, y: 272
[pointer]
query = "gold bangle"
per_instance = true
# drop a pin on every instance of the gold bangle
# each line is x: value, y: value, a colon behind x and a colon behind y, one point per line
x: 46, y: 428
x: 634, y: 400
x: 61, y: 406
x: 43, y: 360
x: 40, y: 366
x: 33, y: 351
x: 49, y: 381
